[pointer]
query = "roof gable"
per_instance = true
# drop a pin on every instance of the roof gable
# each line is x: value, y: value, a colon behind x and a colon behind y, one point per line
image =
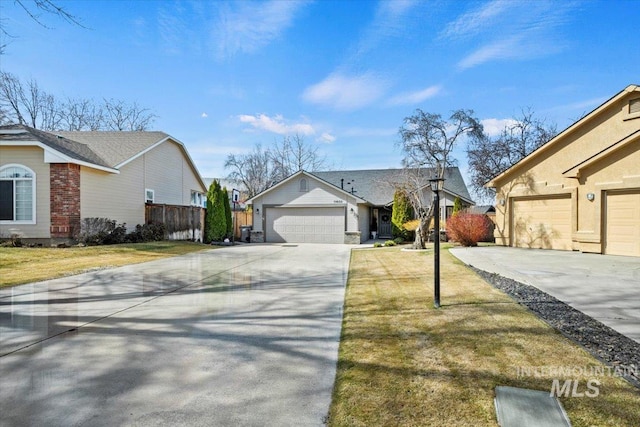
x: 378, y: 186
x: 296, y: 175
x: 573, y: 128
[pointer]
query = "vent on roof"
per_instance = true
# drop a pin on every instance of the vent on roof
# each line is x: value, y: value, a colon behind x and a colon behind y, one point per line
x: 634, y: 106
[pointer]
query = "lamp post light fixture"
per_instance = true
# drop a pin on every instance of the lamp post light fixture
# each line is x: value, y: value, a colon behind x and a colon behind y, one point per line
x: 436, y: 186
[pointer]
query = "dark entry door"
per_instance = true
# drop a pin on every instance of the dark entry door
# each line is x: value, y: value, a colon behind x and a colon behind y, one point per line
x: 384, y: 223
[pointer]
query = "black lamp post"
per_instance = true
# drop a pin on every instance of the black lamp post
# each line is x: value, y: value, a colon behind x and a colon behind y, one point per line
x: 436, y: 186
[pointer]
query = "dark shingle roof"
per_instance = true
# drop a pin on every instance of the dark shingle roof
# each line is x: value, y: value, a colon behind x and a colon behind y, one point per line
x: 68, y: 147
x: 116, y: 147
x: 377, y: 186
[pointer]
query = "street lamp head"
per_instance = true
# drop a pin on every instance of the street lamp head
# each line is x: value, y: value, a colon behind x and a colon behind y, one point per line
x: 437, y: 184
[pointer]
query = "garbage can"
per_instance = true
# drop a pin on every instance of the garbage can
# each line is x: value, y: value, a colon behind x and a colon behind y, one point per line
x: 245, y: 233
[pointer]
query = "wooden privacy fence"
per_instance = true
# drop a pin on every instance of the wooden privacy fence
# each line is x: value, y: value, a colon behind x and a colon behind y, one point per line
x: 241, y: 218
x: 181, y: 222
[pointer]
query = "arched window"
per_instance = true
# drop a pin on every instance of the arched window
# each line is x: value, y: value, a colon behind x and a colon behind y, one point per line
x: 17, y: 194
x: 303, y: 185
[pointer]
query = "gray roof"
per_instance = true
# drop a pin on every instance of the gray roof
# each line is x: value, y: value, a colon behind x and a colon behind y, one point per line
x: 116, y: 147
x: 483, y: 209
x: 377, y: 186
x: 73, y: 149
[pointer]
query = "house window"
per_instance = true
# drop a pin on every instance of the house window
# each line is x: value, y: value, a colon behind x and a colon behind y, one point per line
x: 634, y: 106
x: 303, y: 185
x: 198, y: 199
x: 17, y: 194
x: 149, y: 196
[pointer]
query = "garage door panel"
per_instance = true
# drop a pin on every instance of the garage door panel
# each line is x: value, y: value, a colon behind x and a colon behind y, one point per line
x: 623, y: 223
x: 305, y: 225
x: 542, y: 223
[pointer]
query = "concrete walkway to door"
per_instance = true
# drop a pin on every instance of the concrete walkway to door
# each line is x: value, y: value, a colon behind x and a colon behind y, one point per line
x: 239, y: 336
x: 604, y: 287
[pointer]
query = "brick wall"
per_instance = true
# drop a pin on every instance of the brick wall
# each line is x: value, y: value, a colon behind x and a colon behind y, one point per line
x: 65, y: 199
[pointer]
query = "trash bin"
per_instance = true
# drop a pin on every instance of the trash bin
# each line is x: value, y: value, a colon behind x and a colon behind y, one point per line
x: 245, y: 233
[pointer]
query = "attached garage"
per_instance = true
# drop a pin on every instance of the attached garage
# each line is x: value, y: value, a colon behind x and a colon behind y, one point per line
x: 623, y: 223
x: 542, y: 223
x: 305, y: 225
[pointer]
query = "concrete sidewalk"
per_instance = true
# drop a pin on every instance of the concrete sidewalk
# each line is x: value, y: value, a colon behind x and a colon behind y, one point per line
x: 604, y: 287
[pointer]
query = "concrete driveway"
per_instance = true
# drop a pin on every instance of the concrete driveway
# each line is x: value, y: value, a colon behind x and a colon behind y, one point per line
x: 604, y: 287
x: 239, y: 336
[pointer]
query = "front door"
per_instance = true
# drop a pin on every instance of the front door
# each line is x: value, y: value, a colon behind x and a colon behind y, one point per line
x: 384, y: 223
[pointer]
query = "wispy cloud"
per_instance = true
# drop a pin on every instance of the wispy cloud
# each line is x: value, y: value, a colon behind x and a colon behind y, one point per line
x: 346, y: 93
x: 416, y: 97
x: 276, y: 124
x: 390, y: 20
x: 476, y: 21
x: 493, y: 127
x: 503, y: 29
x: 245, y: 27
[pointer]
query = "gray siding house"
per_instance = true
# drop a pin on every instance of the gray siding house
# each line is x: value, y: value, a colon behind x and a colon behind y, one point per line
x: 339, y: 206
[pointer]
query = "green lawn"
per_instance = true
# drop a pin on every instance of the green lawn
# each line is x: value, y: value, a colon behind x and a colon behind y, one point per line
x: 404, y: 363
x: 25, y: 265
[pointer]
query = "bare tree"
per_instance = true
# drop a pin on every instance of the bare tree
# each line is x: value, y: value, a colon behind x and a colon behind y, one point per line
x: 27, y: 104
x: 253, y: 169
x: 81, y: 114
x: 118, y: 115
x: 292, y: 155
x: 34, y: 9
x: 489, y: 156
x: 260, y: 168
x: 427, y: 141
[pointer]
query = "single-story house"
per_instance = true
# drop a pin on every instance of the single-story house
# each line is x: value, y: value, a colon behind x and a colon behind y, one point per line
x: 581, y: 190
x: 50, y: 181
x: 339, y: 206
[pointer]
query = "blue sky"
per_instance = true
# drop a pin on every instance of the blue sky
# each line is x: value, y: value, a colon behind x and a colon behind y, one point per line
x: 222, y: 76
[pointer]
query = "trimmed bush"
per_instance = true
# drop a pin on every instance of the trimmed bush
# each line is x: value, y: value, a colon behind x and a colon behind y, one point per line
x: 399, y: 240
x: 402, y: 212
x: 105, y: 231
x: 377, y: 245
x: 389, y: 243
x: 468, y: 229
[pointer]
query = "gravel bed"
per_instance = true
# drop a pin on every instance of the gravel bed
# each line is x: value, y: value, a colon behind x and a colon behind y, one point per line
x: 607, y: 345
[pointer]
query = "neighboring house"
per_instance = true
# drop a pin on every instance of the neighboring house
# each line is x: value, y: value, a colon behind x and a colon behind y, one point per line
x: 338, y: 206
x: 581, y: 190
x: 50, y: 181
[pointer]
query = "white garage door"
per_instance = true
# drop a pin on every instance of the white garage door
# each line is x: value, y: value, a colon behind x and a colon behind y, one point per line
x: 623, y: 223
x: 543, y: 223
x: 305, y: 225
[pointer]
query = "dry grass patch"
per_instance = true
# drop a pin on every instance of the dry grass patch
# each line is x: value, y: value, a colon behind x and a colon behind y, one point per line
x: 402, y: 362
x: 26, y: 265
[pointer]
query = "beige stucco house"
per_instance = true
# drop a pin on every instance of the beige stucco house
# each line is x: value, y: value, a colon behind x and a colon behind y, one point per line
x: 50, y: 181
x: 581, y: 190
x: 345, y: 206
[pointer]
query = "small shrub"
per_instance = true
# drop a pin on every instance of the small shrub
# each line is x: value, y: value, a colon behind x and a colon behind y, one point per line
x: 377, y: 245
x: 468, y: 229
x: 389, y: 243
x: 399, y: 240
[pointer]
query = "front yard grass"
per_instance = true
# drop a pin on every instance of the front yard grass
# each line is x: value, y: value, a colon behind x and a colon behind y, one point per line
x: 404, y: 363
x: 26, y: 265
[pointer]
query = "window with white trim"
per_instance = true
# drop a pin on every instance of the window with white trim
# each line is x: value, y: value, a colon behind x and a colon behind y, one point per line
x: 17, y: 194
x: 149, y: 195
x: 303, y: 185
x: 198, y: 199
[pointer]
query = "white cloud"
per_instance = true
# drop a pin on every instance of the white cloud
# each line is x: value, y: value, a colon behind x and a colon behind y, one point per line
x: 326, y: 138
x: 415, y: 97
x: 493, y: 127
x: 346, y: 92
x: 245, y: 27
x: 504, y: 29
x: 476, y: 21
x: 204, y: 115
x: 276, y: 124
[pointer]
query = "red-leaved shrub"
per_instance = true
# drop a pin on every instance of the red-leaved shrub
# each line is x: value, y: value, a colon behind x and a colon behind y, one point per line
x: 468, y: 229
